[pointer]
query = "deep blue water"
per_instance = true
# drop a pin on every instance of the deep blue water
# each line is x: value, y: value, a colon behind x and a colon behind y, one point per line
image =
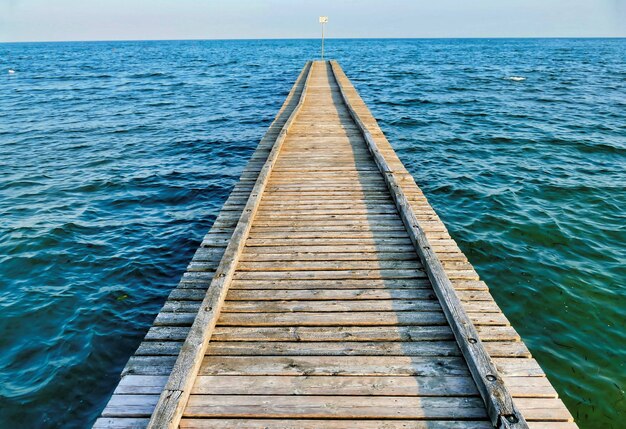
x: 116, y: 157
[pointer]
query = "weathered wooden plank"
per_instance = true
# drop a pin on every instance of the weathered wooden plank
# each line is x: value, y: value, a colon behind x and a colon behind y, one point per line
x: 346, y: 241
x: 222, y: 423
x: 325, y: 248
x: 335, y: 365
x: 336, y: 385
x: 326, y: 210
x: 343, y: 333
x: 121, y: 423
x: 332, y: 274
x: 298, y: 348
x: 362, y: 318
x: 330, y: 228
x: 251, y: 406
x: 329, y: 224
x: 130, y: 406
x: 349, y: 283
x: 149, y: 365
x: 337, y: 348
x: 329, y: 306
x: 345, y: 348
x: 552, y: 425
x: 281, y: 217
x: 332, y: 294
x: 251, y: 256
x: 315, y: 284
x: 329, y: 265
x: 550, y: 409
x: 333, y: 197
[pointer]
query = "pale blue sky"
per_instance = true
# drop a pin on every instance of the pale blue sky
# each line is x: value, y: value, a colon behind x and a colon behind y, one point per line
x: 44, y: 20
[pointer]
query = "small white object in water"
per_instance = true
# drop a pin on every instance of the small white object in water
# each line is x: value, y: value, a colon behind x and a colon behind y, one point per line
x: 11, y: 71
x: 516, y: 78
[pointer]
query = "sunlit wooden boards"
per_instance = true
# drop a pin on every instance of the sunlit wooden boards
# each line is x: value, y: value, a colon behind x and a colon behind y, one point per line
x: 330, y: 321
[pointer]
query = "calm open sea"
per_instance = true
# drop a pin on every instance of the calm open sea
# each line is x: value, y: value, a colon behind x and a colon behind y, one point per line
x: 116, y: 157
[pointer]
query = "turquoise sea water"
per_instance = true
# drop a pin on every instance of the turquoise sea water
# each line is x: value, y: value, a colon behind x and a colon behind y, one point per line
x: 116, y: 157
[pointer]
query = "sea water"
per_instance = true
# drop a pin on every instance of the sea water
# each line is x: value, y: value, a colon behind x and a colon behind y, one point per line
x: 115, y: 158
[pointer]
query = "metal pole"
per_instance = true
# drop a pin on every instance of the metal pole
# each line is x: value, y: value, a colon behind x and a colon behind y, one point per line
x: 323, y: 21
x: 323, y: 41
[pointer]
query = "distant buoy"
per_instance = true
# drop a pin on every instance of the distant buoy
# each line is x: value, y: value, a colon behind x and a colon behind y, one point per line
x: 11, y: 71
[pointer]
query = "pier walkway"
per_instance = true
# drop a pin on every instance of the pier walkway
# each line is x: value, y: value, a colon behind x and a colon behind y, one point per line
x: 328, y: 294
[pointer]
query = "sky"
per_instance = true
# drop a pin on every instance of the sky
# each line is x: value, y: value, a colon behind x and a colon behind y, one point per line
x: 58, y: 20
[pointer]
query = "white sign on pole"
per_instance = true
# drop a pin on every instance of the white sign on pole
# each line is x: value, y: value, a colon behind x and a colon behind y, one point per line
x: 323, y: 21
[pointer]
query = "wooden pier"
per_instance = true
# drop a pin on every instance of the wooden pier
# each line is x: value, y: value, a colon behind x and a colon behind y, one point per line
x: 328, y: 294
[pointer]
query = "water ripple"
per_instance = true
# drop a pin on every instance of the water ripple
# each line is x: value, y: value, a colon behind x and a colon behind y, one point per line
x: 116, y: 158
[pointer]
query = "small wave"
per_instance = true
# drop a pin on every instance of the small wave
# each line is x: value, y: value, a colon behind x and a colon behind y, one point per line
x: 516, y: 78
x: 418, y: 101
x: 148, y: 75
x: 11, y: 71
x: 406, y: 121
x: 400, y: 73
x: 230, y: 63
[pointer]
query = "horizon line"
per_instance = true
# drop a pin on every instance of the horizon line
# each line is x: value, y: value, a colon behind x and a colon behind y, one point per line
x: 312, y: 38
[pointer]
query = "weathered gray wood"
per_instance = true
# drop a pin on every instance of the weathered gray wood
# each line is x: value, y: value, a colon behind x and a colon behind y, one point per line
x: 337, y: 365
x: 223, y: 423
x: 521, y: 387
x: 347, y: 365
x: 120, y: 423
x: 343, y: 348
x: 500, y: 406
x: 332, y: 306
x: 338, y: 347
x: 350, y: 283
x: 173, y: 399
x: 359, y: 318
x: 250, y: 406
x: 335, y: 385
x: 293, y: 274
x: 343, y: 333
